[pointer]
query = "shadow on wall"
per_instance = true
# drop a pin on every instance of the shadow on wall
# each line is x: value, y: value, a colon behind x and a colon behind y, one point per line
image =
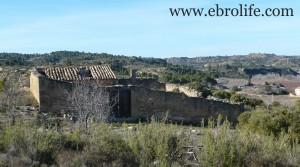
x: 145, y: 103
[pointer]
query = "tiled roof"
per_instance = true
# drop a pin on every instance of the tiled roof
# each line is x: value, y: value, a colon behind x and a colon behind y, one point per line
x: 80, y: 73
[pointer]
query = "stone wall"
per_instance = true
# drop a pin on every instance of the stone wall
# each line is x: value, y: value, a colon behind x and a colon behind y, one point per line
x: 34, y: 85
x: 52, y: 94
x: 145, y: 103
x: 150, y: 83
x: 183, y: 89
x: 142, y: 102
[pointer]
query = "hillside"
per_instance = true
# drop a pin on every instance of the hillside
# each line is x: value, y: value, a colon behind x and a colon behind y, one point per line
x: 250, y: 60
x: 237, y: 66
x: 67, y: 58
x: 265, y: 71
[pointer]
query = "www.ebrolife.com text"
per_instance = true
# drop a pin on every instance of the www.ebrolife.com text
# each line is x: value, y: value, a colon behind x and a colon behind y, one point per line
x: 242, y: 10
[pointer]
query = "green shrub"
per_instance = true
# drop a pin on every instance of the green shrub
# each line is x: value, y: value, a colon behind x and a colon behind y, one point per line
x: 275, y: 104
x: 272, y: 121
x: 74, y: 141
x: 156, y: 143
x: 235, y: 89
x: 37, y: 144
x: 297, y: 105
x: 226, y: 147
x: 176, y: 90
x: 106, y: 148
x: 247, y: 101
x: 221, y: 94
x: 2, y: 85
x: 70, y: 158
x: 237, y: 98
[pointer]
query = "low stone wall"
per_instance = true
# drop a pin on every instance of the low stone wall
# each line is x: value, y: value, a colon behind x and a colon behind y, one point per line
x: 146, y: 103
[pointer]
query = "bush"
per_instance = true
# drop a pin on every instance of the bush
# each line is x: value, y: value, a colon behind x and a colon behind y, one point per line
x: 221, y: 94
x: 226, y: 147
x: 106, y: 148
x: 275, y: 104
x: 37, y: 144
x: 156, y: 143
x: 29, y: 100
x: 70, y: 158
x: 2, y: 84
x: 74, y: 141
x: 237, y: 98
x: 272, y: 121
x: 235, y: 89
x: 264, y: 137
x: 176, y: 90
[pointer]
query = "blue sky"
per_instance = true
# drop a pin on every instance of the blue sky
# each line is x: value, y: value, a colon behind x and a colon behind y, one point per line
x: 144, y: 28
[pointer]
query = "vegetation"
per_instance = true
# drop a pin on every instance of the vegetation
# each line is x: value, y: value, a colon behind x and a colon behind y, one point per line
x: 66, y: 58
x: 253, y: 60
x: 195, y: 79
x: 26, y: 143
x: 2, y: 84
x: 155, y: 143
x: 226, y: 147
x: 273, y: 120
x: 264, y: 136
x: 222, y: 94
x: 10, y: 99
x: 147, y: 75
x: 90, y: 103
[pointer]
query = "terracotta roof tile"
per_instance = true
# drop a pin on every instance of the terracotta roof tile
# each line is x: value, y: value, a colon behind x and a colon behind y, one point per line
x: 80, y: 73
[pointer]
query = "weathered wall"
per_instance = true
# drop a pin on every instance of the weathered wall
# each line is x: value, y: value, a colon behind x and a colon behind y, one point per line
x: 53, y: 95
x: 182, y: 89
x: 145, y: 103
x: 49, y: 93
x: 34, y: 85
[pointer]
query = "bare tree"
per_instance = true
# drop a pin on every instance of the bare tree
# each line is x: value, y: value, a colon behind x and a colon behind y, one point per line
x: 90, y: 101
x: 11, y: 99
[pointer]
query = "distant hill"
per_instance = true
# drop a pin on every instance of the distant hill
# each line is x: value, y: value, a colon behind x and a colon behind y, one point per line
x: 237, y: 66
x: 250, y: 60
x: 68, y: 58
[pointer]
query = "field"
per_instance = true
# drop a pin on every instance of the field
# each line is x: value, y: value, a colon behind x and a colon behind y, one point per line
x: 290, y: 85
x: 230, y: 82
x: 289, y: 82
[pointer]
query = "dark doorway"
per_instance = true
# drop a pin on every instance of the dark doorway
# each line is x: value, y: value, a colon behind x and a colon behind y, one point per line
x: 123, y: 107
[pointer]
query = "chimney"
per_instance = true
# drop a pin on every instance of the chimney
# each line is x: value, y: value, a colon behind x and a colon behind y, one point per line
x: 133, y: 73
x: 133, y: 76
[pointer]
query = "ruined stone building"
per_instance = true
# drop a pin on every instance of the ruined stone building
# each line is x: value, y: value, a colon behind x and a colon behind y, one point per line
x: 137, y: 98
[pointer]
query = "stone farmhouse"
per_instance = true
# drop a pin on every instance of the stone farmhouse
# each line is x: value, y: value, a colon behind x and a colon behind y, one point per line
x: 137, y: 98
